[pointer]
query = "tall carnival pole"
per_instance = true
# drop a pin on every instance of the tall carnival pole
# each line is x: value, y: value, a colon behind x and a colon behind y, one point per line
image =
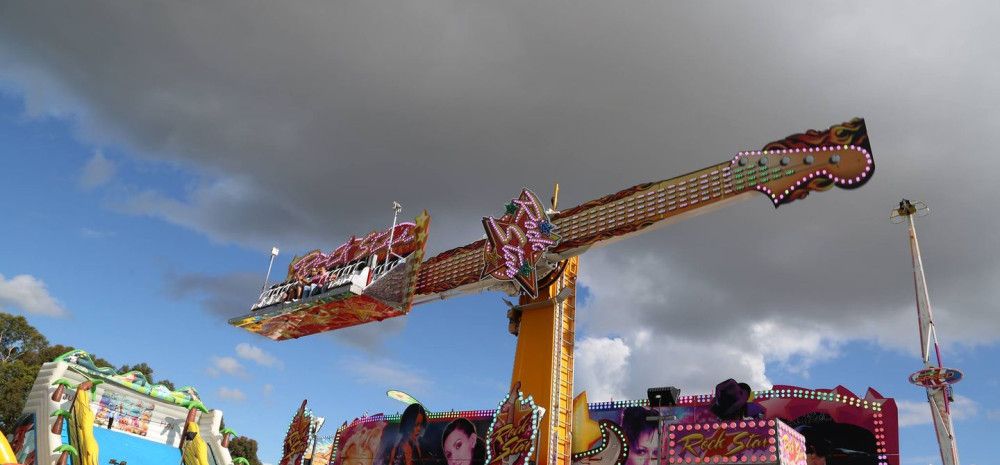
x: 936, y: 379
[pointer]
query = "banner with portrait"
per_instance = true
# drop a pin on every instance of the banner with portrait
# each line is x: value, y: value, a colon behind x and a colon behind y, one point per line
x: 415, y: 437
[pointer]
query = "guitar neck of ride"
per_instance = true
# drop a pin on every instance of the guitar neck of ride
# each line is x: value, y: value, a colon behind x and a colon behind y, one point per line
x: 597, y: 222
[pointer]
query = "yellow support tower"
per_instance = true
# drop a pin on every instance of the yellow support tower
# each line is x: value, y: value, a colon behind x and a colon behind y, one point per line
x: 543, y: 362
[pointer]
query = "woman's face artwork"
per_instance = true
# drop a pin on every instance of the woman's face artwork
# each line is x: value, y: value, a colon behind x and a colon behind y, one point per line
x: 644, y: 451
x: 459, y: 447
x: 418, y: 427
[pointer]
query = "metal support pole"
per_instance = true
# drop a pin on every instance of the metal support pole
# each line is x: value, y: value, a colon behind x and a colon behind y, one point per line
x: 274, y: 253
x: 659, y: 430
x: 396, y: 208
x: 659, y: 433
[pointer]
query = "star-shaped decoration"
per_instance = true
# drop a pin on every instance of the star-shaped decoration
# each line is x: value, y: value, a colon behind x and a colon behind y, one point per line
x: 517, y: 240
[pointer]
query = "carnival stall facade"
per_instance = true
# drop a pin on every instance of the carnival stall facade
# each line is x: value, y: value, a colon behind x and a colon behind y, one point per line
x: 786, y: 425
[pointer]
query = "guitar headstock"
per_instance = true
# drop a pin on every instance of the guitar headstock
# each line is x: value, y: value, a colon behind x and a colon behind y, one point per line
x: 790, y: 168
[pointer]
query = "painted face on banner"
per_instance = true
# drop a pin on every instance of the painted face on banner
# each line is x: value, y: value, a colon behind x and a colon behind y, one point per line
x: 459, y: 447
x: 361, y: 445
x: 418, y: 427
x: 645, y: 451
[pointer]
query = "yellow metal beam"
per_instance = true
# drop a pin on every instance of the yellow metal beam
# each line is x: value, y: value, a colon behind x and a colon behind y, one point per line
x: 543, y: 362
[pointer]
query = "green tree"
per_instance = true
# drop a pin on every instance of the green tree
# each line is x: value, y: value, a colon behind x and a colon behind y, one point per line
x: 16, y: 379
x: 147, y: 371
x: 19, y: 343
x: 244, y: 447
x: 49, y: 353
x: 17, y: 338
x: 23, y: 350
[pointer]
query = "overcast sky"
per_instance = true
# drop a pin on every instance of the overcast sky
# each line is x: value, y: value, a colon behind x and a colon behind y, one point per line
x: 298, y: 123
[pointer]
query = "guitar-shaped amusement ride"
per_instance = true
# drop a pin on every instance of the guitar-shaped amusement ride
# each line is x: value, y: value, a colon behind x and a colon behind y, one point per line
x: 532, y: 251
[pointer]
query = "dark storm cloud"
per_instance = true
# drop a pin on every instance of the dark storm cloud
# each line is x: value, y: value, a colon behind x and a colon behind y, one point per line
x: 217, y: 293
x: 305, y: 120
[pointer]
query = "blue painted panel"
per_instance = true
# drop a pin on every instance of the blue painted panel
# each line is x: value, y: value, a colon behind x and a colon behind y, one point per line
x: 134, y: 450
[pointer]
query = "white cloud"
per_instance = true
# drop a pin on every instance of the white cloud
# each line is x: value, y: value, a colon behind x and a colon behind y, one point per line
x: 993, y: 415
x: 28, y: 294
x: 97, y: 172
x: 912, y: 413
x: 388, y: 374
x: 693, y: 329
x: 90, y: 233
x: 679, y: 331
x: 795, y: 348
x: 601, y: 367
x: 258, y: 355
x: 268, y: 389
x: 670, y: 361
x: 227, y: 365
x: 231, y: 394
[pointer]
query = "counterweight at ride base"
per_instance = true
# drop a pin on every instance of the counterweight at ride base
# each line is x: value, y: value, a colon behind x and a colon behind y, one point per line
x: 532, y: 252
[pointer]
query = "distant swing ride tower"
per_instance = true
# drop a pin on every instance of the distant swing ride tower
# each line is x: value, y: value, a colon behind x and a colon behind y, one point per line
x: 935, y: 378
